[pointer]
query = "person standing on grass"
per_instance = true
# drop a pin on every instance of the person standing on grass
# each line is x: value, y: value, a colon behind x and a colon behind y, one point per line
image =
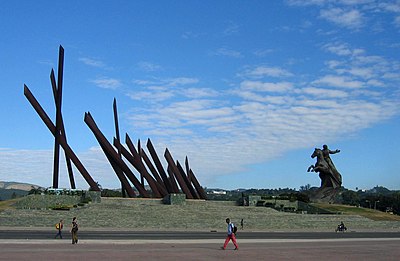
x: 59, y: 227
x: 231, y: 235
x: 74, y: 231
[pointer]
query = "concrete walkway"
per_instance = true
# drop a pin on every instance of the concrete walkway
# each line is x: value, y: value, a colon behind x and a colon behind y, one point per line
x: 343, y: 249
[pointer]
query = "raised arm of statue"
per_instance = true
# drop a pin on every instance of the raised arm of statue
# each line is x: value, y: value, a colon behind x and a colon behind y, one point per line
x: 334, y: 151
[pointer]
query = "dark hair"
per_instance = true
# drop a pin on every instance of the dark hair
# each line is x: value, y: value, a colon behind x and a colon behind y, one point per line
x: 73, y: 218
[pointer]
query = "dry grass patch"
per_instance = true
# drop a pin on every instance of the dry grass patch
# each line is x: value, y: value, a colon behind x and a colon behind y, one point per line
x: 7, y: 204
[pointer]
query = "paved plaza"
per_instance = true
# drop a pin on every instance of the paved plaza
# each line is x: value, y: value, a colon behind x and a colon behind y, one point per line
x: 270, y: 249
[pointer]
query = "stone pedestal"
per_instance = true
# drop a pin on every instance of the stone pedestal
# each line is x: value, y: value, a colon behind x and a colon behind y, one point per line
x: 175, y: 199
x: 325, y: 195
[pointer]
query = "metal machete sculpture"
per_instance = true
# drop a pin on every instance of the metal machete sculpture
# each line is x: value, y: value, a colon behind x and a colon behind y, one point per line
x: 153, y: 173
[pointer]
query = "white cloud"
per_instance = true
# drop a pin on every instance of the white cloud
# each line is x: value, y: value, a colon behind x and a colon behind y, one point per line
x: 390, y: 6
x: 252, y: 96
x: 397, y: 21
x: 263, y: 71
x: 351, y: 19
x: 232, y: 28
x: 365, y: 73
x: 190, y: 35
x: 338, y: 81
x: 150, y: 95
x: 266, y: 86
x: 391, y: 76
x: 154, y: 91
x: 180, y: 81
x: 199, y: 92
x: 227, y: 52
x: 107, y: 83
x: 263, y: 52
x: 306, y: 3
x: 92, y: 62
x: 149, y: 67
x: 324, y: 93
x: 376, y: 83
x: 340, y: 49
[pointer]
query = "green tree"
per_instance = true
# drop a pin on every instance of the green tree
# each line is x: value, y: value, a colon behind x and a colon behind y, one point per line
x: 305, y: 188
x: 350, y: 197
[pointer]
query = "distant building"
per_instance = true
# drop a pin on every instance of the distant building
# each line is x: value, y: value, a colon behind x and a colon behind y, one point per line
x: 217, y: 192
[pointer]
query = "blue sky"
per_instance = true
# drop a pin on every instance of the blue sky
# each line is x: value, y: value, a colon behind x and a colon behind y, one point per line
x: 245, y: 89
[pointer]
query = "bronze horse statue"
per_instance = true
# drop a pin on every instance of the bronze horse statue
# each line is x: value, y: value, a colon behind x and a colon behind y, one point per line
x: 330, y: 178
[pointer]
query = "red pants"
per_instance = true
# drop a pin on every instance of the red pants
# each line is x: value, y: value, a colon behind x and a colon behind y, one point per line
x: 231, y: 237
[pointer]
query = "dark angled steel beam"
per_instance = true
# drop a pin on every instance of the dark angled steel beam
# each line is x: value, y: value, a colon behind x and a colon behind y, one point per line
x: 58, y: 101
x: 200, y: 191
x: 177, y: 174
x: 47, y: 121
x: 114, y: 155
x: 187, y: 168
x: 135, y: 160
x: 136, y: 155
x: 152, y: 169
x: 159, y: 166
x: 172, y: 179
x: 119, y: 140
x: 187, y: 181
x: 139, y: 148
x: 119, y: 173
x: 199, y: 188
x: 62, y: 131
x: 160, y: 185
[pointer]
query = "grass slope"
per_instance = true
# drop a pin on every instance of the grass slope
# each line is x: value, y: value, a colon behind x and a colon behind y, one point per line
x: 364, y: 212
x: 147, y: 214
x: 8, y: 204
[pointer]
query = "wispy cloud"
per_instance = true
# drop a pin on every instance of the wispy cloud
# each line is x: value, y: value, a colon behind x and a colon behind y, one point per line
x: 338, y: 81
x: 107, y: 83
x: 266, y: 86
x: 351, y: 19
x: 180, y: 81
x: 325, y: 93
x: 92, y: 62
x: 263, y: 52
x: 397, y: 21
x: 259, y: 119
x: 340, y: 49
x: 265, y: 71
x: 199, y: 92
x: 227, y: 52
x: 190, y: 35
x: 231, y: 28
x: 157, y: 90
x: 149, y: 67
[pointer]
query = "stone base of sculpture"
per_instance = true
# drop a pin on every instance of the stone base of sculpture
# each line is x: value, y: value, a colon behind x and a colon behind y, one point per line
x: 325, y: 195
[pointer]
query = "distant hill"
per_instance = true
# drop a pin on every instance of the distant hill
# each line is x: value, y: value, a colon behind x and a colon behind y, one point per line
x: 17, y: 185
x: 10, y: 190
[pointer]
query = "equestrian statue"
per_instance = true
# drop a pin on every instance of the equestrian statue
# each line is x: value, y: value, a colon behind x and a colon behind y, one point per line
x: 331, y: 180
